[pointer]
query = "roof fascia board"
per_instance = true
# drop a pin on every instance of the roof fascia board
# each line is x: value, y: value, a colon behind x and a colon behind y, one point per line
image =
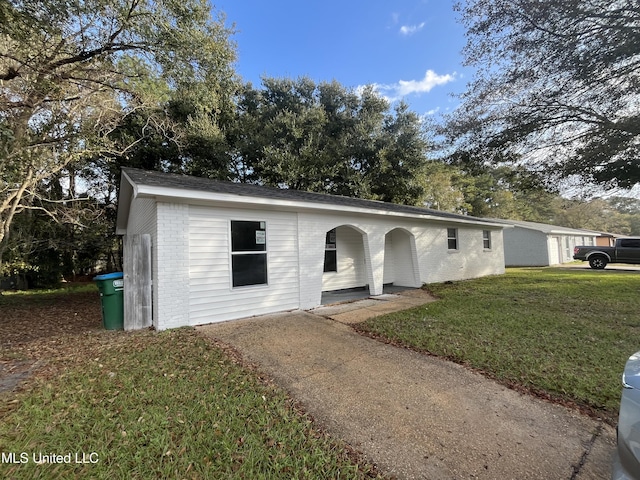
x: 174, y: 193
x: 128, y: 189
x: 556, y: 231
x: 577, y: 233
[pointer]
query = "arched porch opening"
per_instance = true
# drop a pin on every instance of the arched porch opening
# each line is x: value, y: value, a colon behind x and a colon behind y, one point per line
x: 400, y: 259
x: 344, y: 259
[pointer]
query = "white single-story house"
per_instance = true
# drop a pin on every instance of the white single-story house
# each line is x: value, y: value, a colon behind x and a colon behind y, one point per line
x: 198, y: 251
x: 531, y: 244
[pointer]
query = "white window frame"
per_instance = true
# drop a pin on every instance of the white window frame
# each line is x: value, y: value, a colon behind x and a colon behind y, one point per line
x: 454, y: 237
x: 486, y: 239
x: 329, y: 248
x: 264, y: 252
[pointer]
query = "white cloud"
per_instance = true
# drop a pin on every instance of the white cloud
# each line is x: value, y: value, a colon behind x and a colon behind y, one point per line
x: 411, y: 29
x: 403, y: 88
x: 431, y: 79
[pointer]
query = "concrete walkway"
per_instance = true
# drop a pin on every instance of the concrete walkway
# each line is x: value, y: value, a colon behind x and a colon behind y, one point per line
x: 415, y: 416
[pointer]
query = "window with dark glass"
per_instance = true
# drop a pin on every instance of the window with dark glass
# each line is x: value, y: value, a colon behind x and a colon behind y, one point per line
x: 486, y: 239
x: 248, y: 253
x: 330, y: 252
x: 630, y: 243
x: 452, y: 238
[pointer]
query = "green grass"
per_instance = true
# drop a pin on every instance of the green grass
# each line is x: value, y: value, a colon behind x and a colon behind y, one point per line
x: 567, y: 333
x: 39, y: 297
x: 165, y: 405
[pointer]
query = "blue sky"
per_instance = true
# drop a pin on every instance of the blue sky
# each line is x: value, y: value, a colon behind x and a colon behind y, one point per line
x: 409, y: 49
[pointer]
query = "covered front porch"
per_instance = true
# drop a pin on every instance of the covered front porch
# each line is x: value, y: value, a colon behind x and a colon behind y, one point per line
x: 358, y: 293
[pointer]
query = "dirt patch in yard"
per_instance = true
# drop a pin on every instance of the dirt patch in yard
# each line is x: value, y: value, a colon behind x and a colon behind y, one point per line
x: 42, y: 335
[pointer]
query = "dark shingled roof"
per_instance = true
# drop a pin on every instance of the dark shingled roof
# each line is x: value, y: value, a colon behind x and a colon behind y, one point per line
x: 186, y: 182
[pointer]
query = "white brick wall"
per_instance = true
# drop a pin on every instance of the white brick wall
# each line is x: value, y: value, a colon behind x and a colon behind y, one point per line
x: 471, y: 260
x: 171, y: 282
x: 435, y: 263
x: 191, y: 256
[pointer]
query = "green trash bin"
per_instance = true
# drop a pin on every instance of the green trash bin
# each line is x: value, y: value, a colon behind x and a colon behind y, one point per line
x: 111, y: 286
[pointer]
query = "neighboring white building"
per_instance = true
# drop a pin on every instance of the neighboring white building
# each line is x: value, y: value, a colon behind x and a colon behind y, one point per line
x: 221, y: 250
x: 530, y: 244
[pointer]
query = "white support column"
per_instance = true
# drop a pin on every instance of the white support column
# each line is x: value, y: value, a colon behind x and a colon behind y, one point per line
x: 374, y: 259
x: 414, y: 261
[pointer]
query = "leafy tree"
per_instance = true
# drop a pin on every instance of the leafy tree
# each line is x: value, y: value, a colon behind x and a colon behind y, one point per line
x: 556, y: 81
x: 442, y: 188
x: 597, y: 214
x: 399, y: 173
x: 72, y: 70
x: 629, y: 210
x: 500, y: 188
x: 326, y: 138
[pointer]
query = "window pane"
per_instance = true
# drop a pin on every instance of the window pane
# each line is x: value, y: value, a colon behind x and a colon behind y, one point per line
x: 630, y: 243
x: 330, y: 261
x: 452, y: 238
x: 486, y: 239
x: 249, y: 269
x: 248, y: 236
x: 330, y: 240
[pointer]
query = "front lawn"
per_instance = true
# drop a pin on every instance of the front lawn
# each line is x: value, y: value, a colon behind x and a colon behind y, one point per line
x: 144, y: 405
x: 561, y: 332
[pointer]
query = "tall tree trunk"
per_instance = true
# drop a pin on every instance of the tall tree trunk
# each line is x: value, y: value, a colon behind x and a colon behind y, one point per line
x: 8, y: 210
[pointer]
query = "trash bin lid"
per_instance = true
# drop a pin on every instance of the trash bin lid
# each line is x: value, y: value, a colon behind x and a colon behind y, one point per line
x: 108, y: 276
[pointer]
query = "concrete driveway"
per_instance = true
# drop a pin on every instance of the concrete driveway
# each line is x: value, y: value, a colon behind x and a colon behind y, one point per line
x: 417, y: 416
x: 614, y: 267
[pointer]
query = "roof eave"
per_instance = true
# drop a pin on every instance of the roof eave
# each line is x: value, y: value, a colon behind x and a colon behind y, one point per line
x: 171, y: 193
x: 128, y: 192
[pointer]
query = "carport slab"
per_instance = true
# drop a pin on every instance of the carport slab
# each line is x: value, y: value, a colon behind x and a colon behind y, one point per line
x: 414, y: 415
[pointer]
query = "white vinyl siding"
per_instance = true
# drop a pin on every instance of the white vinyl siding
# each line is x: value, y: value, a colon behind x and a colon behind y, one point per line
x: 555, y: 250
x: 527, y: 247
x: 524, y: 247
x: 143, y: 217
x: 212, y: 298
